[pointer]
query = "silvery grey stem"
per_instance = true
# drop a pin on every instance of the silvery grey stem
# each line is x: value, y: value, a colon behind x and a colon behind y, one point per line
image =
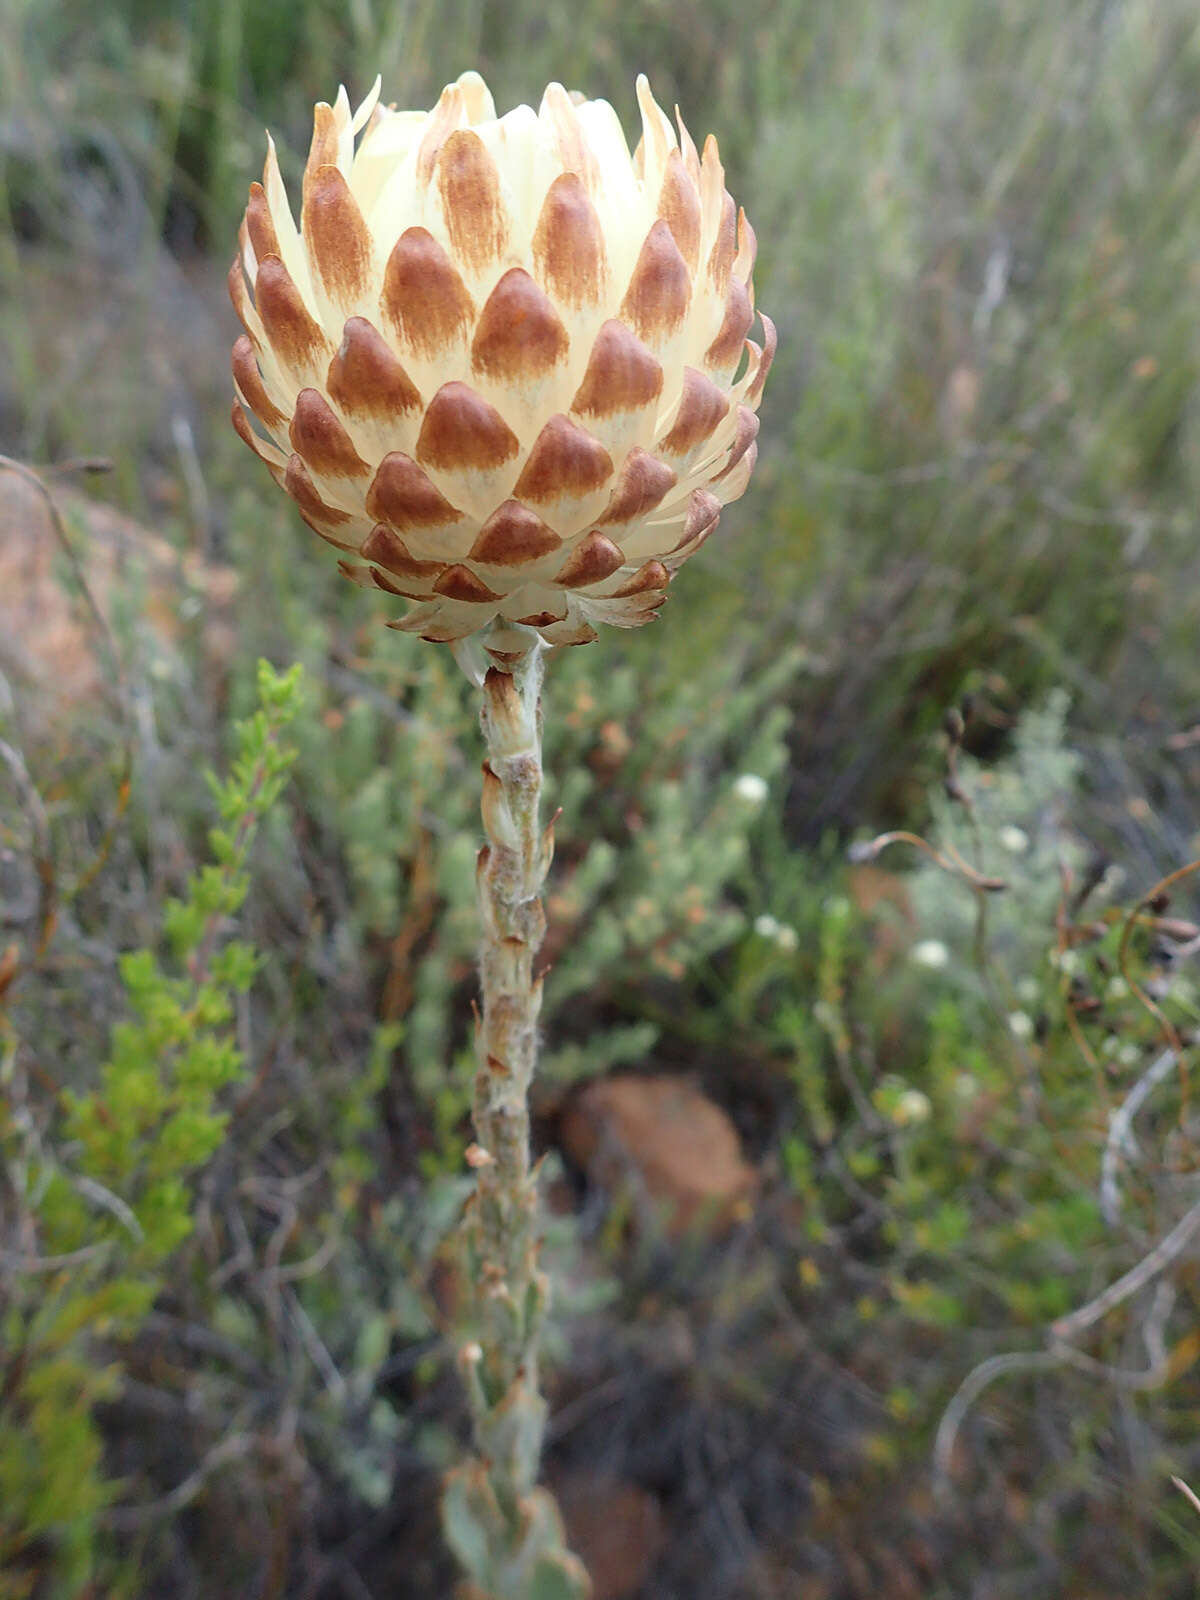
x: 504, y: 1529
x: 511, y: 1292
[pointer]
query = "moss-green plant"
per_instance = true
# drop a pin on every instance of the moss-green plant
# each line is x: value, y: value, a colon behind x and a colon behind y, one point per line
x: 102, y: 1195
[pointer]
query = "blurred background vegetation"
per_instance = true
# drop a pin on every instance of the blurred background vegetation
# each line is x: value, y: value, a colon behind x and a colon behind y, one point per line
x: 844, y: 1141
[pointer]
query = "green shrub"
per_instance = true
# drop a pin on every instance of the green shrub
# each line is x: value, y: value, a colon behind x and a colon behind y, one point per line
x: 100, y: 1184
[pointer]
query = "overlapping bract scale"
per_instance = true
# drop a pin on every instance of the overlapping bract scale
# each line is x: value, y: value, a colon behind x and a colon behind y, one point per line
x: 501, y: 363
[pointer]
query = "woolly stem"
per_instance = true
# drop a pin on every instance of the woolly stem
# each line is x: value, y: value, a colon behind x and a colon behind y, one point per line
x: 507, y: 1531
x: 511, y: 1292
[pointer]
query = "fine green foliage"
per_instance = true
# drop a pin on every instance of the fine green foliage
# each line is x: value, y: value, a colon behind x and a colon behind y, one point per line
x: 980, y: 1147
x: 102, y: 1194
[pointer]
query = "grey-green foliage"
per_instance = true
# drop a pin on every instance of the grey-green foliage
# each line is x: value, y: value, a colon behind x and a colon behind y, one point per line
x: 649, y: 897
x: 1014, y: 825
x: 541, y: 1568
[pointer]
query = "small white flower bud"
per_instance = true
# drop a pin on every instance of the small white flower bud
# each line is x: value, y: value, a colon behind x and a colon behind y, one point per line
x: 912, y: 1107
x: 1020, y: 1024
x: 931, y: 953
x: 751, y: 788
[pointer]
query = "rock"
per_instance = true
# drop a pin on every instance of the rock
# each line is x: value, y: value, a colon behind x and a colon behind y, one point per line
x: 883, y: 899
x: 665, y: 1143
x: 960, y: 402
x: 48, y: 643
x: 43, y: 636
x: 618, y: 1530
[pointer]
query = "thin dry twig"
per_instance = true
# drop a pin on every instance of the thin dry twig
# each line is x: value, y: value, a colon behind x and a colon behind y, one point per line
x: 127, y: 1519
x: 1162, y: 1255
x: 969, y: 1390
x: 1163, y: 886
x: 35, y: 1264
x: 1153, y: 1376
x: 317, y: 1352
x: 311, y: 1265
x: 1120, y: 1142
x: 950, y: 862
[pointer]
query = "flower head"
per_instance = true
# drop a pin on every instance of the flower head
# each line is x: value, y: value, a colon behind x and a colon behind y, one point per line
x: 502, y: 364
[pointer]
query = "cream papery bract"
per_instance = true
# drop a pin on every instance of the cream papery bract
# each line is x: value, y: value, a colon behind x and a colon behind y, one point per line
x: 501, y: 363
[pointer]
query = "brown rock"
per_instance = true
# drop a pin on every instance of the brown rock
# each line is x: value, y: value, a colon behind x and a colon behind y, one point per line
x: 48, y: 643
x: 883, y: 899
x: 667, y: 1144
x: 616, y: 1529
x: 960, y: 401
x: 43, y: 638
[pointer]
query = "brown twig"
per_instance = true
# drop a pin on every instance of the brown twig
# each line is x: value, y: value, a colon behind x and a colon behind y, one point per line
x: 950, y: 862
x: 1163, y: 886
